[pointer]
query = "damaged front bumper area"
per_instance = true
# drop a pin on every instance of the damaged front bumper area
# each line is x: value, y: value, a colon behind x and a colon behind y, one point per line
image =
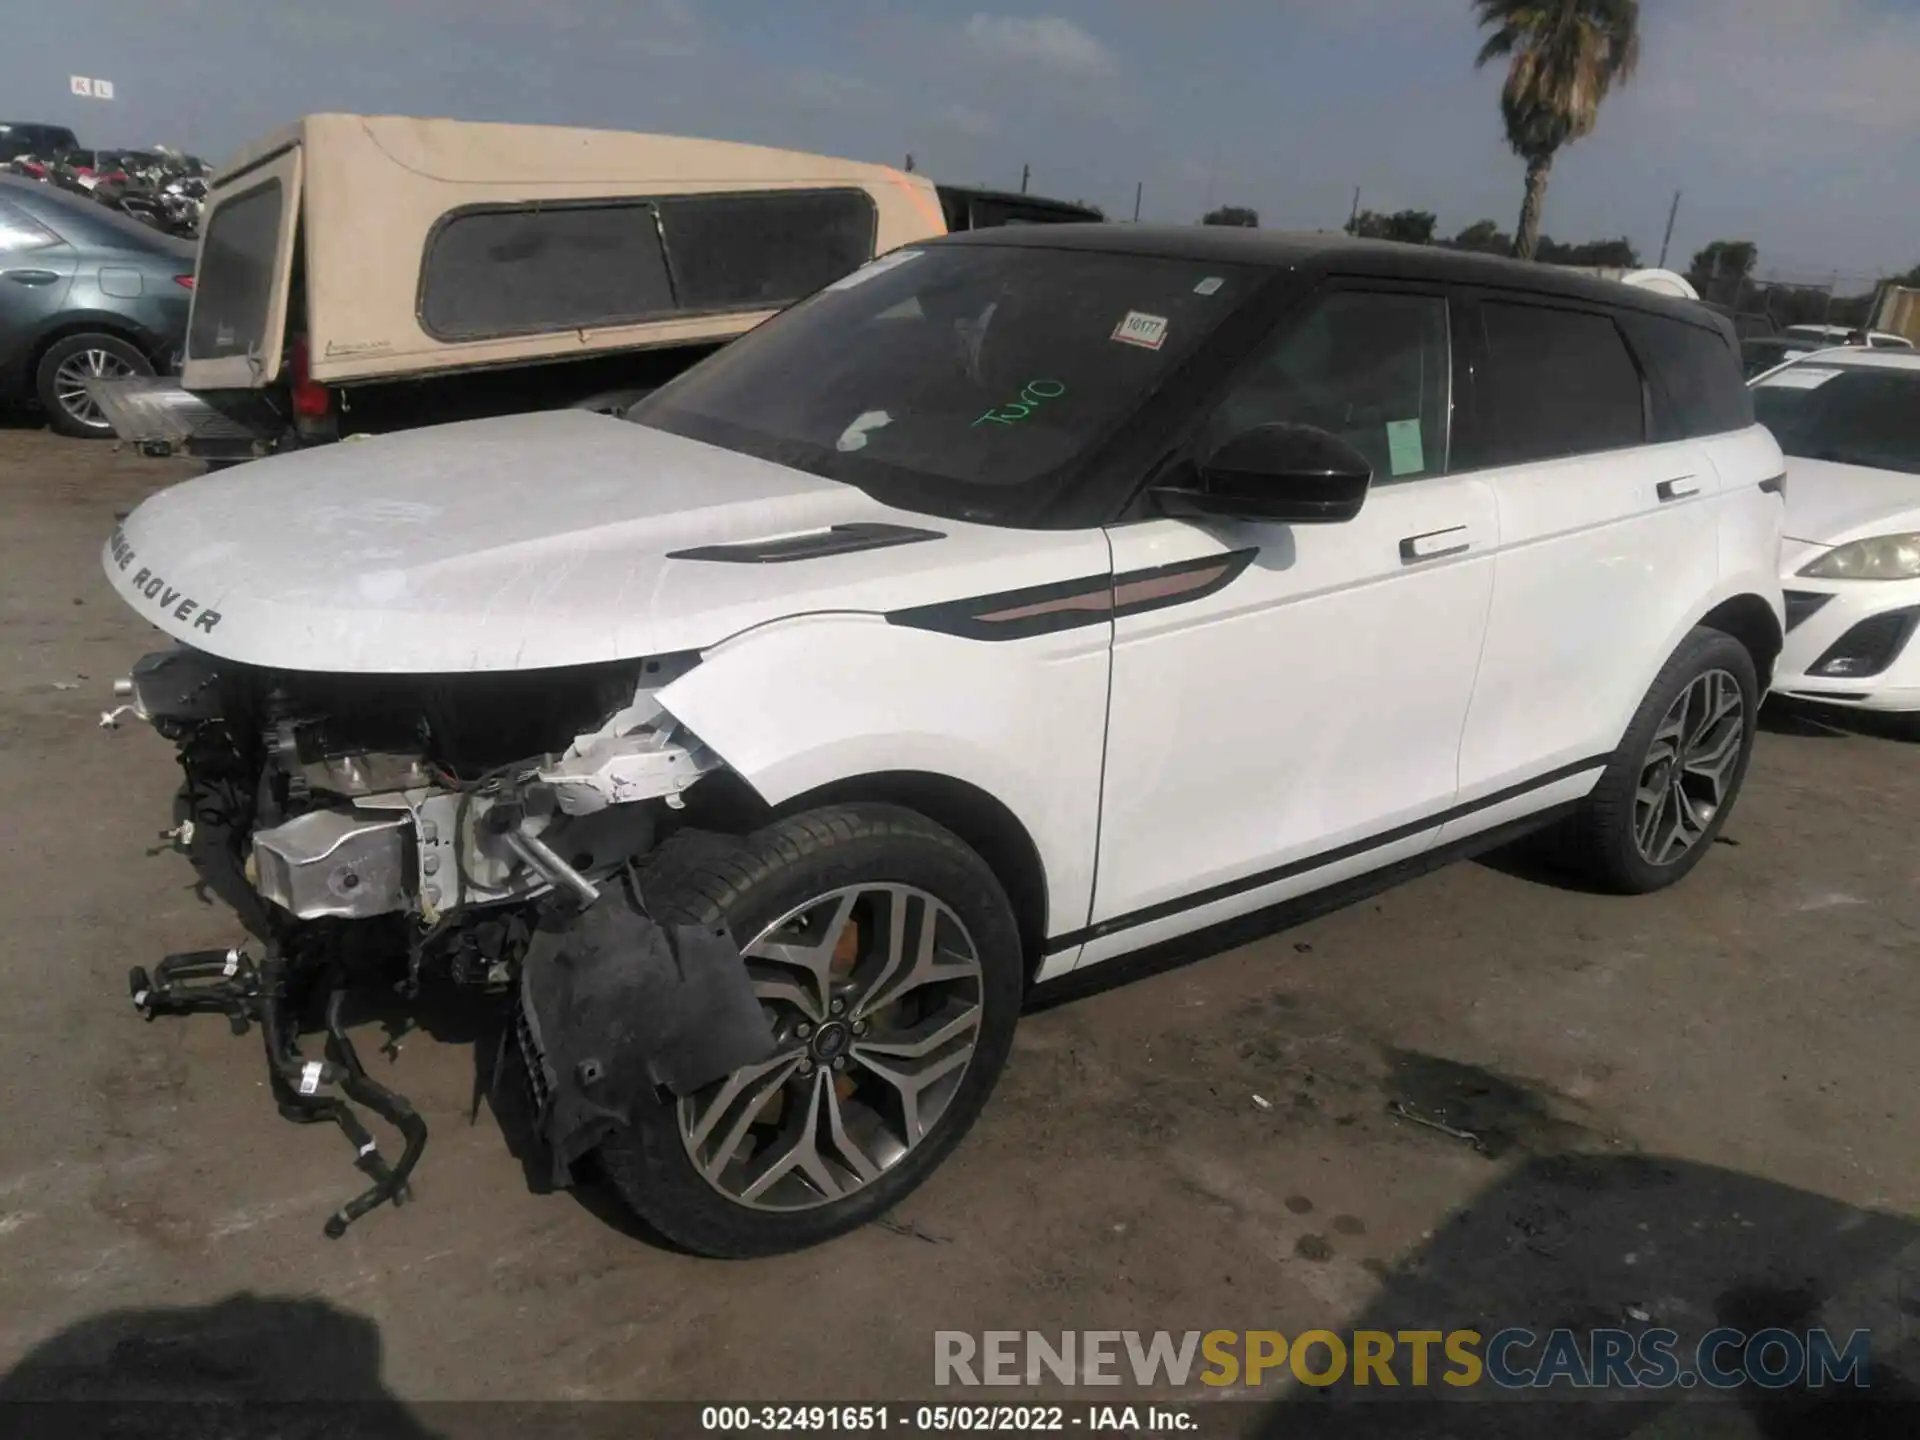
x: 382, y: 824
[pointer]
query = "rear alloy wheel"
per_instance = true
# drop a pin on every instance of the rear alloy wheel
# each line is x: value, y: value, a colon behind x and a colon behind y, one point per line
x: 61, y: 381
x: 888, y: 965
x: 1690, y: 769
x: 1672, y: 783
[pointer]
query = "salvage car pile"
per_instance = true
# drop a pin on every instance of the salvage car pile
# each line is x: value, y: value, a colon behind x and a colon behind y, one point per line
x: 161, y: 187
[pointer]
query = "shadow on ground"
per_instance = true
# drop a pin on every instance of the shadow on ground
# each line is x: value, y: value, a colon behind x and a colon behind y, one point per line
x: 1586, y: 1241
x: 297, y: 1369
x: 1798, y: 717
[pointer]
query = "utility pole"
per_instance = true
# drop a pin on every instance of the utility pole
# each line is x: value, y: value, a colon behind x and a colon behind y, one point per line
x: 1139, y: 186
x: 1672, y: 215
x: 909, y: 164
x: 1354, y: 218
x: 1025, y: 171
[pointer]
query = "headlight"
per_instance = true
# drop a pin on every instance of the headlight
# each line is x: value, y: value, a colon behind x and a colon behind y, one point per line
x: 1883, y: 557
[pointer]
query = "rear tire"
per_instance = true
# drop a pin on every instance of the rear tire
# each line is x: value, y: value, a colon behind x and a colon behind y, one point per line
x: 59, y: 380
x: 882, y: 1067
x: 1672, y: 783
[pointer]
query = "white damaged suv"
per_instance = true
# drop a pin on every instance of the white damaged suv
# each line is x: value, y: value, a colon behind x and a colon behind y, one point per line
x: 1026, y: 599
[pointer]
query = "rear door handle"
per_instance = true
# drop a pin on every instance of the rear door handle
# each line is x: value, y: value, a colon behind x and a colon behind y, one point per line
x: 1678, y: 489
x: 31, y: 277
x: 1434, y: 544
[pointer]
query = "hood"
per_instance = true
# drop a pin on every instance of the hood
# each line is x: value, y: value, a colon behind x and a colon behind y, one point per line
x: 532, y: 541
x: 1830, y: 504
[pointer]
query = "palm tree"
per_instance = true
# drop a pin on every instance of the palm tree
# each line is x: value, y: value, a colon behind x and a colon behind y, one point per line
x: 1565, y: 55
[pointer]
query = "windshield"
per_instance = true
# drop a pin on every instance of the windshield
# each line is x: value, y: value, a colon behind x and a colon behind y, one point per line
x: 1851, y: 415
x: 969, y: 381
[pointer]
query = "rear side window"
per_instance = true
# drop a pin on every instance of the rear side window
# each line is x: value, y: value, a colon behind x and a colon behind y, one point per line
x: 763, y: 252
x: 234, y: 286
x: 516, y: 272
x: 1696, y: 380
x: 1558, y: 382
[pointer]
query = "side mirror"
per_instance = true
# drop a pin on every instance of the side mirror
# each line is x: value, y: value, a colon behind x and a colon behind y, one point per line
x: 1279, y: 474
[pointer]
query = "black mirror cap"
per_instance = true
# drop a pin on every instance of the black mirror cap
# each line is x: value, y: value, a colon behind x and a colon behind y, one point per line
x: 1278, y: 474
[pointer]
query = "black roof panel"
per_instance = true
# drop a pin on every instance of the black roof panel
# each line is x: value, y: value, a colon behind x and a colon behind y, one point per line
x: 1334, y: 253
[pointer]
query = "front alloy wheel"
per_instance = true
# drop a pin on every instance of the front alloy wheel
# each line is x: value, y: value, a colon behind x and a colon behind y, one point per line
x: 889, y: 968
x: 874, y: 994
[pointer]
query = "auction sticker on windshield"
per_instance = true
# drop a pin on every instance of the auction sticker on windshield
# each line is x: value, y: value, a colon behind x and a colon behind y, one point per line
x: 1802, y: 377
x: 1149, y: 332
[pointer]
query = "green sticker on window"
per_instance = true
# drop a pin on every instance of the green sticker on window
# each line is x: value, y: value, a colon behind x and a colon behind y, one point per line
x: 1404, y: 450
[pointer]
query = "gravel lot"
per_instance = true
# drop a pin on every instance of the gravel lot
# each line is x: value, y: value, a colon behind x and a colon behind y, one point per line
x: 1698, y: 1105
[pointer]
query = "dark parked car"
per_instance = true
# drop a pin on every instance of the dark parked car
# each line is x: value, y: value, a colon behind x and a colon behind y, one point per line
x: 968, y: 208
x: 22, y: 137
x: 84, y: 293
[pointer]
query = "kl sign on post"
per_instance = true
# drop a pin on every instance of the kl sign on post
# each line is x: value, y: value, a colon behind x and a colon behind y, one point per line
x: 95, y: 89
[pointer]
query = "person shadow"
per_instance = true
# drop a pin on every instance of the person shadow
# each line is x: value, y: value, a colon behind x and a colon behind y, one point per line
x: 245, y: 1366
x: 1627, y: 1241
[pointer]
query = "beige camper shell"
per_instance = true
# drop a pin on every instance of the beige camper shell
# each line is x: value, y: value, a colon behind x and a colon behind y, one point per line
x: 388, y: 247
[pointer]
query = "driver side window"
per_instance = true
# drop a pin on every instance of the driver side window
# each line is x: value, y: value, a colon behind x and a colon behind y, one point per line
x: 1369, y: 366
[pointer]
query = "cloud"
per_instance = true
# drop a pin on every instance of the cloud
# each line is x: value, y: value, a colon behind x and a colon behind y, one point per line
x: 830, y: 90
x: 665, y: 29
x: 1779, y: 65
x: 969, y: 121
x: 1046, y: 40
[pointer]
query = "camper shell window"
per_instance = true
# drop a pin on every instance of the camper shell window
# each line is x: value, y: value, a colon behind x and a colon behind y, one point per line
x: 495, y: 270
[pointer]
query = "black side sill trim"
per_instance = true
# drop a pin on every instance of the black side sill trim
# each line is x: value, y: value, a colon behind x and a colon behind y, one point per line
x: 1222, y: 935
x: 1775, y: 484
x: 837, y: 540
x: 1229, y: 888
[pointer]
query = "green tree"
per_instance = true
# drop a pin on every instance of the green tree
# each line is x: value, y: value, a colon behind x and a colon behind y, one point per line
x: 1721, y: 270
x: 1409, y: 227
x: 1232, y: 215
x: 1563, y: 56
x: 1484, y: 237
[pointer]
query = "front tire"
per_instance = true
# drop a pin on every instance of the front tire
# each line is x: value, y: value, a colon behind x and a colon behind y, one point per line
x: 1671, y: 785
x: 888, y: 963
x: 60, y: 381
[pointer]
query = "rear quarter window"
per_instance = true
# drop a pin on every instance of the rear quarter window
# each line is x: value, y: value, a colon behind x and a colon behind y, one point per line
x: 1696, y: 379
x: 1557, y: 382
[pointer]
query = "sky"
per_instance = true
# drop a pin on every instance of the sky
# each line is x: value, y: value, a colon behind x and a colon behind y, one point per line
x: 1792, y: 123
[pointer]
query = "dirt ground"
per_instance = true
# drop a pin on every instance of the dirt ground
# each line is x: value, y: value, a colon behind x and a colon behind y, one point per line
x: 1697, y: 1106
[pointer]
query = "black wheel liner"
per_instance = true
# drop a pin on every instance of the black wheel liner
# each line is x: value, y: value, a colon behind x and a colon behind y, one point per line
x: 615, y: 1004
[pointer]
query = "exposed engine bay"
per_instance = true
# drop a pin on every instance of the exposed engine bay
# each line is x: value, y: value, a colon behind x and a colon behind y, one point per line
x: 480, y: 830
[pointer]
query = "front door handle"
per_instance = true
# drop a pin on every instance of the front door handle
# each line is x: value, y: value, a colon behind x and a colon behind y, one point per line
x: 1678, y: 489
x: 1434, y: 544
x: 31, y: 277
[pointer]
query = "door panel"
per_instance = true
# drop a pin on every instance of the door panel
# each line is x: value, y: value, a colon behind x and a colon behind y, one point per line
x: 1600, y: 553
x: 1314, y: 702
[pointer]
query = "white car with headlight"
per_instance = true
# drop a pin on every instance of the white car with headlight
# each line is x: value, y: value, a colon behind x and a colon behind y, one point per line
x: 1849, y: 423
